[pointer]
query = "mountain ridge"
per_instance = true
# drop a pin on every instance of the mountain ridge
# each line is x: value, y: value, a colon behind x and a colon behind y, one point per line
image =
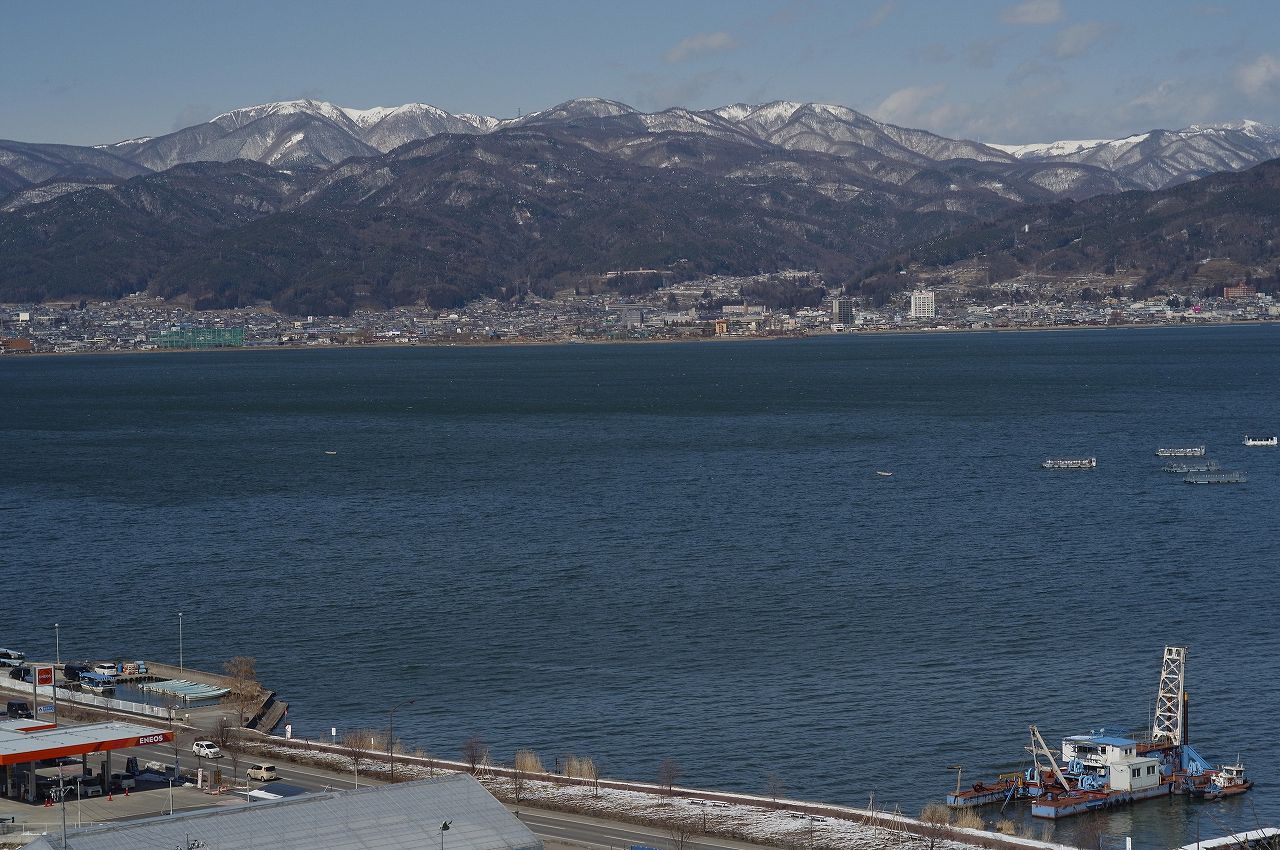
x: 312, y: 133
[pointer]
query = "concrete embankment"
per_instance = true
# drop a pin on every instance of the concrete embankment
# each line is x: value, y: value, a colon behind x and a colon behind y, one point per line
x: 263, y: 712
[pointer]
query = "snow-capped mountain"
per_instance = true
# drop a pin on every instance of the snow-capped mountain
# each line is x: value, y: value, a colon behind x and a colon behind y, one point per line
x: 1036, y: 150
x: 1165, y: 157
x: 318, y: 134
x: 839, y: 130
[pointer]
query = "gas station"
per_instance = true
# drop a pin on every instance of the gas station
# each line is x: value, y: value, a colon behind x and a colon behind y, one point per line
x: 35, y: 752
x: 26, y: 744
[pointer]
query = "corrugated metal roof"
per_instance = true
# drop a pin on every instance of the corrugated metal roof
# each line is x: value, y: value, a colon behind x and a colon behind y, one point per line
x: 385, y: 817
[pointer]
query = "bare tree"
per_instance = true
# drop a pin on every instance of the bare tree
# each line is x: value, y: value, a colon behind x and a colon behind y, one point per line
x: 668, y: 774
x: 936, y: 817
x: 474, y: 752
x: 354, y: 745
x: 225, y: 733
x: 680, y: 835
x: 591, y: 773
x: 524, y: 763
x: 242, y: 671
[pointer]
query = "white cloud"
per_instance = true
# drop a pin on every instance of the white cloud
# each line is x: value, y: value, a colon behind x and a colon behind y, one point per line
x: 1171, y: 103
x: 880, y: 15
x: 700, y: 45
x: 1076, y: 40
x: 1259, y: 77
x: 1034, y: 12
x: 905, y: 106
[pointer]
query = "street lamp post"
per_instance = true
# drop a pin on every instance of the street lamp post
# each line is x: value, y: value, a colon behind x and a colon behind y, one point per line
x: 181, y: 666
x: 57, y: 646
x: 444, y: 827
x: 391, y: 734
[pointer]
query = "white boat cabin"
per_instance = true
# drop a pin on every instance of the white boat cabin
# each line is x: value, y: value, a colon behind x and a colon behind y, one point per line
x: 1114, y: 758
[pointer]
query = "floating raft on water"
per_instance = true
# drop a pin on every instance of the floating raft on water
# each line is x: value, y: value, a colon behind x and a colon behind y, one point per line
x: 186, y: 690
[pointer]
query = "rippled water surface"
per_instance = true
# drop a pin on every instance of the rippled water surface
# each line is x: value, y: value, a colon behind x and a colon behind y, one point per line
x: 640, y: 552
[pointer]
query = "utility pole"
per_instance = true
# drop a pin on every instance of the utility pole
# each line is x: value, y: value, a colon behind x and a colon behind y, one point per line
x: 62, y: 802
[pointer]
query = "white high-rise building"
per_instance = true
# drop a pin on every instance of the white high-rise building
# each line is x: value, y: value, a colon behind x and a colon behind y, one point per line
x: 923, y: 305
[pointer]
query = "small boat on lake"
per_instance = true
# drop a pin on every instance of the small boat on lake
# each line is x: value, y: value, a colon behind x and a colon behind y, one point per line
x: 1228, y: 781
x: 99, y: 683
x: 1183, y: 468
x: 883, y: 473
x: 1216, y: 478
x: 1070, y: 463
x: 1182, y: 451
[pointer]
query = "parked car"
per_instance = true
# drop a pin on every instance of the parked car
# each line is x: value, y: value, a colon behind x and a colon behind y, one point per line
x: 19, y: 709
x: 206, y: 749
x: 263, y: 772
x: 71, y: 672
x: 106, y: 668
x: 22, y: 674
x: 121, y: 781
x: 11, y: 657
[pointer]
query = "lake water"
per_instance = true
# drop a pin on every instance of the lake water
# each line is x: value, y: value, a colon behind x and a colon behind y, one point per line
x: 636, y: 552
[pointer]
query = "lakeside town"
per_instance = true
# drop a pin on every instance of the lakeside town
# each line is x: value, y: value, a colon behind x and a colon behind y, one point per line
x: 703, y: 308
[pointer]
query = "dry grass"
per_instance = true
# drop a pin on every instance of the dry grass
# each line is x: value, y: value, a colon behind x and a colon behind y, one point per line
x: 527, y: 761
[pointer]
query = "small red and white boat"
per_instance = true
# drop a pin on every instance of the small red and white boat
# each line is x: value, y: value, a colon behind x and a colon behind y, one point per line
x: 1228, y: 781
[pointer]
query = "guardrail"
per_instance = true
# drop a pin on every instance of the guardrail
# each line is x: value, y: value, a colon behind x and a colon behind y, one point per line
x: 93, y: 700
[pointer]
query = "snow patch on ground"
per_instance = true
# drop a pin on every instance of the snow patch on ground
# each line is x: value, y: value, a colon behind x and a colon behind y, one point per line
x: 1049, y: 148
x: 818, y: 827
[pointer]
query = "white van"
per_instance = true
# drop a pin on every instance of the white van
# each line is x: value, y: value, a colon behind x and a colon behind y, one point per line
x: 106, y: 668
x: 263, y: 772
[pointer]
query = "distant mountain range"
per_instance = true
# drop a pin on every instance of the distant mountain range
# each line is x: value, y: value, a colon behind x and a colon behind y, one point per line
x: 316, y: 134
x: 319, y: 208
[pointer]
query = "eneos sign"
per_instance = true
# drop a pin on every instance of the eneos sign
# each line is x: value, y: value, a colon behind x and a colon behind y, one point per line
x: 44, y: 676
x: 150, y: 739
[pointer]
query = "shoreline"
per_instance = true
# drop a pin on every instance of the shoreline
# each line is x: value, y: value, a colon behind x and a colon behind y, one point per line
x: 525, y: 343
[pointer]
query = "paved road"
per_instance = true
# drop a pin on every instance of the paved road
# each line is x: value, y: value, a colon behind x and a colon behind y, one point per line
x: 560, y: 827
x: 304, y: 776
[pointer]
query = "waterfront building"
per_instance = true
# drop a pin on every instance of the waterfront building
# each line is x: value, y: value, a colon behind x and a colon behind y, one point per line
x: 923, y: 305
x: 200, y: 337
x: 1240, y: 290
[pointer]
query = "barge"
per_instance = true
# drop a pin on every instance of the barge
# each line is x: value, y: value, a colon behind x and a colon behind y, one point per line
x: 1205, y: 465
x: 1260, y: 441
x: 1188, y: 451
x: 1070, y: 463
x: 1100, y: 770
x: 1216, y: 478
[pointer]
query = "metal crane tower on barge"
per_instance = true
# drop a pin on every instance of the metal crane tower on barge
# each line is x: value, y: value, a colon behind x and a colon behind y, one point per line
x: 1098, y: 770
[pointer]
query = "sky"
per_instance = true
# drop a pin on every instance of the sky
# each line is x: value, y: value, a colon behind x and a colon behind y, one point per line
x: 992, y: 70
